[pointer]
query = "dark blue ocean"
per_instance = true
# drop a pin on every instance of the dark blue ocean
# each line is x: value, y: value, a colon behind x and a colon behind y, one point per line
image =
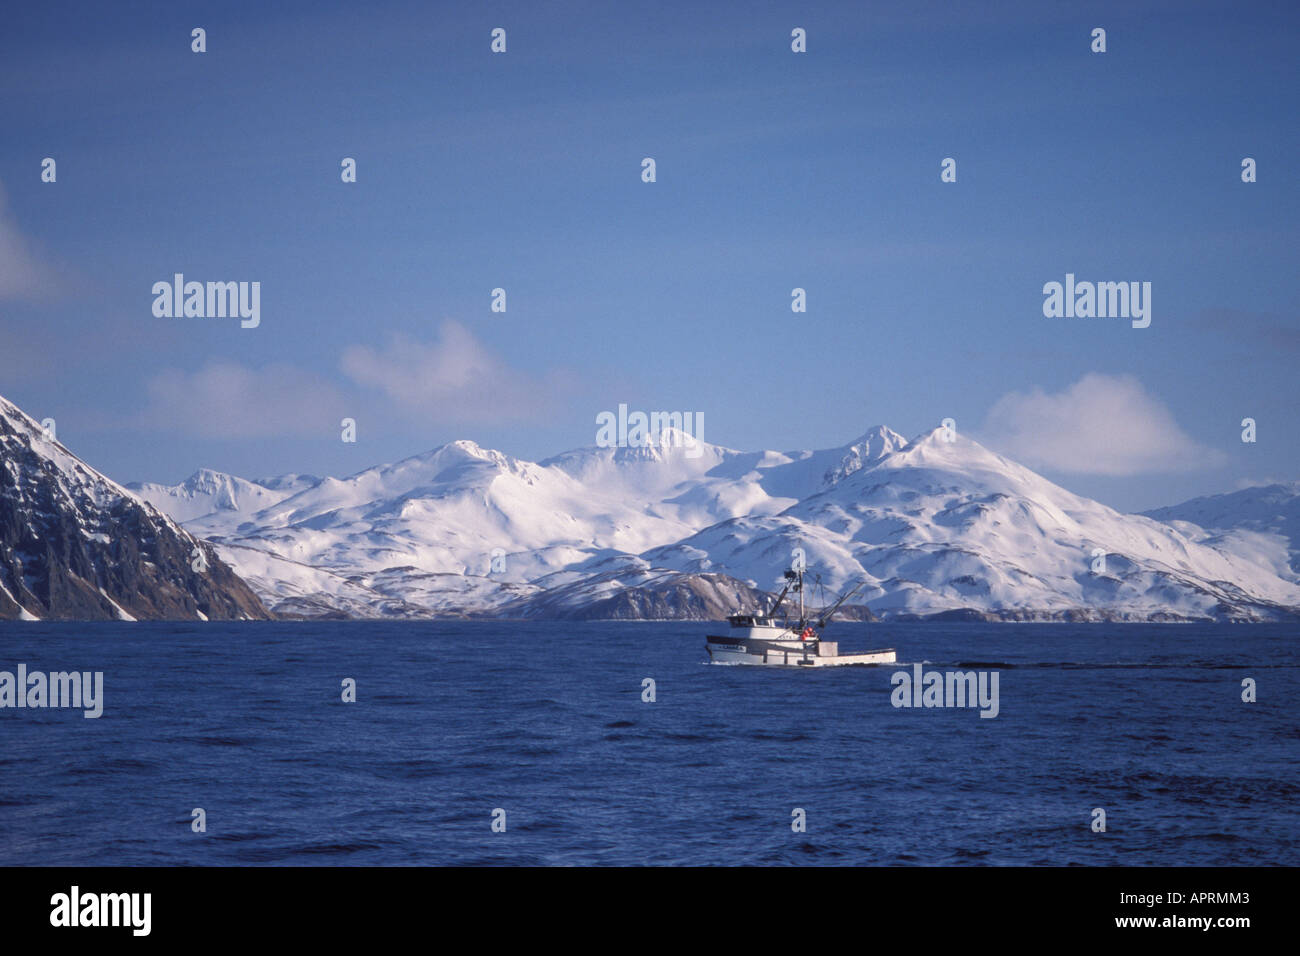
x: 547, y: 722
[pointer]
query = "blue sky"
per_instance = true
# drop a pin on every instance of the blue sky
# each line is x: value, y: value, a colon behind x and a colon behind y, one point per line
x: 775, y: 170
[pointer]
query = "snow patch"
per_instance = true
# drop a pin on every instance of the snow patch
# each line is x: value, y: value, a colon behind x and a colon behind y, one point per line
x: 121, y: 614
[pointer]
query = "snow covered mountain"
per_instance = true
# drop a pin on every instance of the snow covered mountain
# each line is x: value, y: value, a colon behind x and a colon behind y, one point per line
x: 931, y: 526
x: 1264, y: 520
x: 944, y: 526
x: 76, y: 546
x: 210, y: 492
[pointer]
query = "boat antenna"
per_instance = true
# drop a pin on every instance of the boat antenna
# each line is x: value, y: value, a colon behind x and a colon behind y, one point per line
x: 847, y: 594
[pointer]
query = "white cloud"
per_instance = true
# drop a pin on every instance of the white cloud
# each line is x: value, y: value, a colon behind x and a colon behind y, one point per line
x: 21, y: 361
x: 1243, y: 483
x: 1100, y: 425
x: 225, y: 400
x: 22, y: 274
x: 453, y: 379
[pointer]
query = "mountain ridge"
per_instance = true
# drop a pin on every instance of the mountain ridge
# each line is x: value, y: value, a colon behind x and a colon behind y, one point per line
x: 935, y: 527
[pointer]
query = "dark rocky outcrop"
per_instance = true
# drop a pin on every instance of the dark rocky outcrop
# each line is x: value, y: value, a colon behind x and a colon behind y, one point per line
x: 76, y: 546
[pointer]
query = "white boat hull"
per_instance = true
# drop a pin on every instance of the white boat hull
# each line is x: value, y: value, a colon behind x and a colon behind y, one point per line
x: 790, y: 653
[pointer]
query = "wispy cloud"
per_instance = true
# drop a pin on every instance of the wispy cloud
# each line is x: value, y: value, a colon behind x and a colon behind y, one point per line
x: 1266, y: 332
x: 227, y: 400
x: 1244, y: 483
x: 453, y: 379
x: 1100, y: 425
x: 23, y: 273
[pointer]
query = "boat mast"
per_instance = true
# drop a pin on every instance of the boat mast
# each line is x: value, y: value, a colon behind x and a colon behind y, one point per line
x: 779, y: 598
x: 800, y: 572
x: 847, y: 594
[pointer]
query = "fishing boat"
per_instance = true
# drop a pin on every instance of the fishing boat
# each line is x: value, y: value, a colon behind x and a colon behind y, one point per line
x: 766, y: 639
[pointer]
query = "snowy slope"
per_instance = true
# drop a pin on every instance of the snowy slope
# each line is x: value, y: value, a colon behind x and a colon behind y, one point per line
x: 225, y: 498
x: 942, y: 526
x: 1264, y: 520
x: 932, y: 526
x: 422, y: 529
